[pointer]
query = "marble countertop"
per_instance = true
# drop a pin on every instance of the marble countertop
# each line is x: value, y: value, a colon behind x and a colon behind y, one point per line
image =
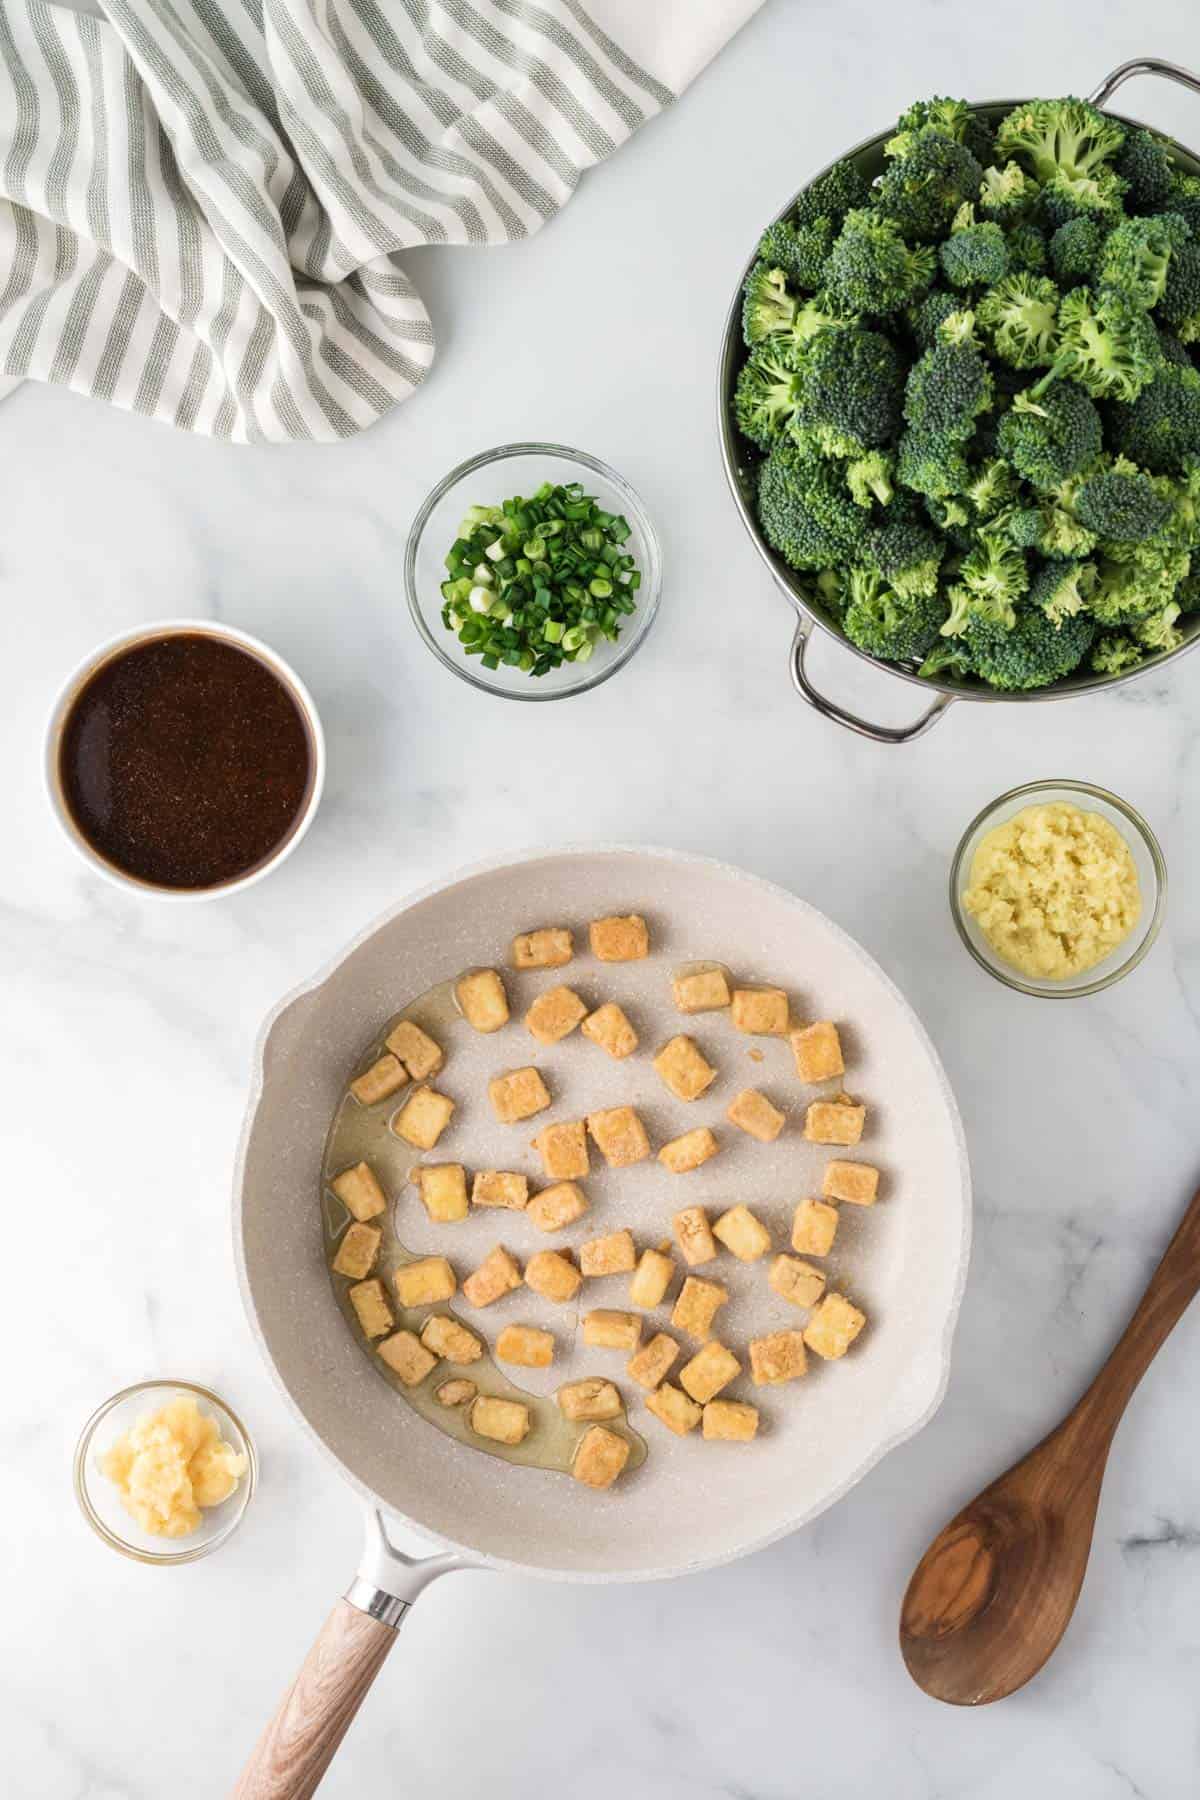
x: 128, y: 1029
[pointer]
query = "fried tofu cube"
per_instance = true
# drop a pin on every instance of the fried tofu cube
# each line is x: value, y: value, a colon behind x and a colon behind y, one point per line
x: 694, y: 1235
x: 753, y: 1113
x: 732, y: 1421
x: 407, y: 1357
x: 416, y: 1049
x: 834, y: 1327
x: 423, y: 1118
x: 496, y: 1276
x: 357, y: 1251
x: 711, y: 1369
x: 482, y: 998
x: 553, y: 1276
x: 548, y: 948
x: 760, y: 1011
x: 609, y: 1027
x: 652, y: 1361
x: 612, y: 1254
x: 359, y: 1192
x: 500, y: 1187
x: 554, y: 1015
x: 853, y: 1181
x: 424, y: 1282
x: 620, y: 1136
x: 697, y: 1306
x: 818, y: 1051
x: 525, y: 1345
x: 504, y: 1421
x: 599, y: 1457
x: 682, y: 1067
x: 651, y: 1279
x: 619, y: 939
x: 371, y: 1305
x: 672, y: 1407
x: 557, y: 1206
x: 701, y: 990
x: 517, y: 1095
x: 563, y: 1150
x: 591, y: 1398
x: 796, y: 1281
x: 837, y: 1121
x: 777, y: 1358
x: 446, y: 1337
x: 383, y: 1078
x: 689, y: 1151
x: 455, y: 1393
x: 443, y: 1191
x: 606, y: 1330
x: 743, y: 1234
x: 814, y: 1227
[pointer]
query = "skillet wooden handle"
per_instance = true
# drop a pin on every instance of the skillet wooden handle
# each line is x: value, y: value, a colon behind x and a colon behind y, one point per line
x: 297, y: 1747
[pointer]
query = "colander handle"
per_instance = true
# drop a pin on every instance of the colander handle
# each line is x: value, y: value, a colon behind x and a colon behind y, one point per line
x: 829, y: 709
x: 1144, y: 65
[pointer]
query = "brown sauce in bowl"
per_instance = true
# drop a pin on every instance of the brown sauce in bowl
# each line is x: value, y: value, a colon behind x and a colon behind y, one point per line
x: 185, y: 761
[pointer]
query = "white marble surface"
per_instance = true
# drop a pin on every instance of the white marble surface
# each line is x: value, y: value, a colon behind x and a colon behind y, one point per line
x: 127, y: 1031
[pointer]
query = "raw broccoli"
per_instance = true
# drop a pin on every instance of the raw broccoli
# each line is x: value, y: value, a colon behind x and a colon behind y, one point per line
x: 806, y: 511
x: 1105, y: 343
x: 949, y: 657
x: 1173, y: 351
x: 871, y: 478
x: 966, y: 604
x: 1020, y: 317
x: 923, y: 189
x: 931, y: 464
x: 853, y: 381
x: 1122, y: 504
x: 1114, y: 653
x: 1180, y: 304
x: 1051, y: 529
x: 1183, y: 198
x: 1075, y: 251
x: 1144, y: 162
x: 1032, y: 654
x: 946, y: 391
x: 1161, y: 427
x: 1050, y: 439
x: 1052, y: 137
x: 872, y: 270
x: 974, y: 256
x: 800, y: 251
x: 951, y: 513
x: 952, y: 118
x: 959, y: 328
x: 1098, y: 197
x: 832, y: 195
x: 1158, y: 632
x: 812, y: 316
x: 1006, y: 194
x: 907, y: 555
x: 991, y: 490
x: 995, y: 571
x: 766, y: 304
x: 767, y: 393
x: 1062, y: 588
x: 1137, y: 256
x: 927, y: 315
x: 1028, y: 249
x: 884, y: 624
x: 1127, y: 591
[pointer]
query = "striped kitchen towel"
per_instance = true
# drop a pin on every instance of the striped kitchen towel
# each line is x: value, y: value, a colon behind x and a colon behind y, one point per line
x: 204, y: 204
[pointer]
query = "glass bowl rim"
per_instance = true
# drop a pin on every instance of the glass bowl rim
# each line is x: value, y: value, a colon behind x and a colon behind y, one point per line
x: 1145, y: 943
x: 651, y: 590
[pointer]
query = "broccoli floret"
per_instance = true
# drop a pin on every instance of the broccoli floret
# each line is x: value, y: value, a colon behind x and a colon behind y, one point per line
x: 995, y: 571
x: 832, y: 195
x: 1028, y: 249
x: 992, y: 489
x: 923, y: 189
x: 1128, y: 591
x: 1179, y: 306
x: 925, y: 318
x: 1051, y: 528
x: 872, y: 270
x: 806, y: 511
x: 949, y: 657
x: 1137, y: 256
x: 767, y: 306
x: 1050, y: 439
x: 1033, y: 653
x: 1184, y: 198
x: 974, y: 256
x: 1173, y: 351
x: 1105, y: 343
x: 907, y: 555
x: 884, y: 624
x: 853, y: 381
x: 947, y: 389
x: 1051, y: 137
x: 966, y: 604
x: 1122, y: 505
x: 768, y: 392
x: 1158, y: 632
x: 1160, y: 429
x: 951, y: 513
x: 1020, y: 317
x: 812, y: 316
x: 1099, y: 197
x: 952, y: 118
x: 1075, y: 251
x: 871, y: 478
x: 1006, y: 194
x: 931, y: 464
x: 1115, y: 652
x: 1062, y: 588
x: 1144, y: 163
x: 800, y: 251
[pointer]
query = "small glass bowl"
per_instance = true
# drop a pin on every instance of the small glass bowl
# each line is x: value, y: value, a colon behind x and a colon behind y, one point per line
x: 1151, y: 873
x: 486, y: 480
x: 101, y: 1504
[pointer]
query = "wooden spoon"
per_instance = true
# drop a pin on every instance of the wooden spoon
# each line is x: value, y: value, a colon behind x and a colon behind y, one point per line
x: 994, y: 1592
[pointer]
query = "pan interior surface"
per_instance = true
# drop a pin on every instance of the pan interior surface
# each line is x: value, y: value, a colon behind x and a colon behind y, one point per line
x: 693, y: 1504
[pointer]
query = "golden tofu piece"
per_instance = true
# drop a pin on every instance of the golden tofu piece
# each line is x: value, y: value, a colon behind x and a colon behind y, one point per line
x: 796, y: 1281
x: 496, y: 1276
x: 421, y: 1056
x: 651, y: 1279
x: 753, y: 1113
x: 612, y: 1254
x: 371, y: 1305
x: 359, y: 1191
x: 555, y: 1014
x: 733, y: 1421
x: 553, y: 1276
x: 853, y: 1181
x: 563, y: 1150
x: 455, y: 1393
x: 423, y: 1118
x: 526, y: 1345
x: 504, y: 1421
x: 652, y: 1361
x: 609, y: 1027
x: 619, y: 939
x: 834, y: 1327
x: 357, y: 1251
x: 605, y: 1330
x: 482, y: 999
x: 557, y: 1206
x: 837, y: 1121
x: 701, y: 990
x: 425, y: 1281
x: 500, y: 1187
x: 620, y: 1135
x: 697, y: 1306
x: 672, y: 1407
x: 743, y: 1234
x: 548, y: 948
x: 407, y: 1357
x: 711, y: 1369
x: 591, y: 1398
x: 689, y: 1151
x: 599, y: 1457
x: 814, y: 1227
x: 695, y: 1236
x: 517, y: 1095
x: 682, y: 1067
x: 818, y: 1051
x: 443, y: 1191
x: 760, y: 1011
x: 385, y: 1077
x: 446, y: 1337
x: 777, y: 1358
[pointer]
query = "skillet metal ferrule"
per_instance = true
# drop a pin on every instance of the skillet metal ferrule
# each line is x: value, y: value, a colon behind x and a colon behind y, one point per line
x: 388, y: 1582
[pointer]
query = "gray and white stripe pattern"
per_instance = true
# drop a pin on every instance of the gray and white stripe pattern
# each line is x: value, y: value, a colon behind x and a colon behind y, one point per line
x: 205, y: 203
